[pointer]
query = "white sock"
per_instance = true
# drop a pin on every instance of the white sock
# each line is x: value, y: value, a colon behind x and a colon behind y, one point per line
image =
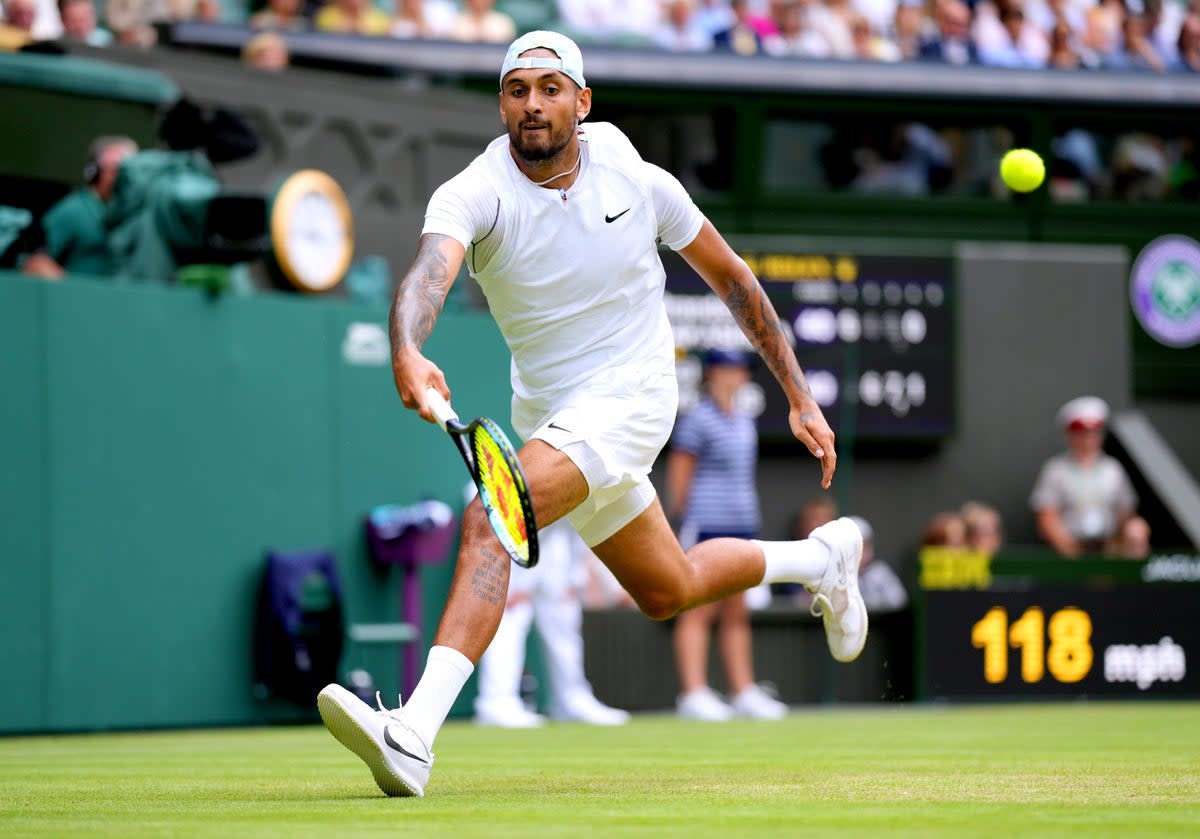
x: 794, y: 562
x: 446, y: 671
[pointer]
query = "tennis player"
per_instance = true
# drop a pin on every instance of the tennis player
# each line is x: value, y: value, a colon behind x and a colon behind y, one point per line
x: 559, y: 223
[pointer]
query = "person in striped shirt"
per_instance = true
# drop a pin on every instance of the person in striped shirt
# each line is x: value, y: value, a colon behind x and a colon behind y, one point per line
x: 711, y: 493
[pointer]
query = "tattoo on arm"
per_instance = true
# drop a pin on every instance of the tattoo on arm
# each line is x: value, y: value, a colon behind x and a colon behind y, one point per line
x: 488, y: 580
x: 419, y: 296
x: 754, y: 313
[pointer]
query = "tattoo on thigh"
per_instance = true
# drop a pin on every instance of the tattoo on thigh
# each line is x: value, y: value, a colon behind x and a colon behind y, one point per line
x: 488, y: 583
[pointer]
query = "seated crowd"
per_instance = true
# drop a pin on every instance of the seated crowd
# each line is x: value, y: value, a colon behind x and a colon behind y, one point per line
x: 1149, y: 35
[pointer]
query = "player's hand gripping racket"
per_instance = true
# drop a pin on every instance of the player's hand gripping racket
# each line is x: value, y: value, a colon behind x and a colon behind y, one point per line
x: 496, y: 471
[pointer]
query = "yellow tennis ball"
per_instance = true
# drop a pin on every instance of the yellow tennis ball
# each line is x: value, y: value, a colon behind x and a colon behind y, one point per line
x: 1022, y: 170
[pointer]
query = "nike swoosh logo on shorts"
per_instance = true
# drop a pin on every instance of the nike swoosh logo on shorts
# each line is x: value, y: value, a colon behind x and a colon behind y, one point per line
x: 611, y: 219
x: 387, y: 737
x: 558, y: 427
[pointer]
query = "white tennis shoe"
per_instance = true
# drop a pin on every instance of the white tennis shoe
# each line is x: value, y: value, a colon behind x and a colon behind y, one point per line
x: 581, y: 705
x: 837, y: 600
x: 396, y: 756
x: 755, y: 703
x: 505, y: 712
x: 704, y: 704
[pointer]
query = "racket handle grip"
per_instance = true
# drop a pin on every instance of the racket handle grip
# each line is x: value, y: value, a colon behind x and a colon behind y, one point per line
x: 440, y: 407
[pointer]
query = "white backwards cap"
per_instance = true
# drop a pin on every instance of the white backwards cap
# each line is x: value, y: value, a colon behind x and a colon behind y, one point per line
x: 1084, y: 412
x: 569, y: 61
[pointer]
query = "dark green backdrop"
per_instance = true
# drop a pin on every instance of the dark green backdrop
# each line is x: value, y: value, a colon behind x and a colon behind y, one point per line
x: 155, y: 443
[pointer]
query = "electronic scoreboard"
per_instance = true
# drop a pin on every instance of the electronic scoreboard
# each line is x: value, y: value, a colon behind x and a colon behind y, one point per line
x: 873, y: 334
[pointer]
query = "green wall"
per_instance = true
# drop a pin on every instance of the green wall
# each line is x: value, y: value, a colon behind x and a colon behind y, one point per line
x: 154, y: 443
x: 23, y: 540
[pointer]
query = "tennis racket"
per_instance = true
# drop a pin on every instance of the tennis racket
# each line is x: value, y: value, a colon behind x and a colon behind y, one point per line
x: 496, y: 471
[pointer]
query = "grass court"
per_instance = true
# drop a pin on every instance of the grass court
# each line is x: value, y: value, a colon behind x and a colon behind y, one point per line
x: 1080, y: 769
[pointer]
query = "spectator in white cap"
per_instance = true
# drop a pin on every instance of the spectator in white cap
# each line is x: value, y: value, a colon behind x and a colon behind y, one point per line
x: 1083, y: 498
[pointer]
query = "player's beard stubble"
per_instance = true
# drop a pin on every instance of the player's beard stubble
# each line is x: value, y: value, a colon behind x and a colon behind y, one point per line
x: 543, y: 145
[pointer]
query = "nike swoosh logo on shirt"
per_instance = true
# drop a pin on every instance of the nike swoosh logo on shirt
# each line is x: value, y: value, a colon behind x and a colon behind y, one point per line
x: 611, y: 219
x: 387, y: 738
x: 559, y: 427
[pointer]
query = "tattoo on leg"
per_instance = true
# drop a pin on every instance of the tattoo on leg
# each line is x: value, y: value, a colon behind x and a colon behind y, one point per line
x: 488, y: 582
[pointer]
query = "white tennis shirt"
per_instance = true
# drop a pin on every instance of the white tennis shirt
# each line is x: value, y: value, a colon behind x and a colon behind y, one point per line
x: 574, y: 283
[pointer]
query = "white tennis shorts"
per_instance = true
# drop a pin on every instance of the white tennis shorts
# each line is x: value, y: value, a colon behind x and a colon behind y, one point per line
x: 613, y: 429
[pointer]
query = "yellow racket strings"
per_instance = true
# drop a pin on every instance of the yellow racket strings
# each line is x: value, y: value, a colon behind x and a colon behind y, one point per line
x: 501, y: 485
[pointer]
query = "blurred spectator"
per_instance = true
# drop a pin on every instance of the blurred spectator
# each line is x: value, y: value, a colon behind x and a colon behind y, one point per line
x: 815, y: 512
x: 906, y: 28
x: 794, y: 33
x: 16, y: 27
x: 1044, y: 14
x: 548, y: 596
x: 952, y: 43
x: 881, y: 588
x: 611, y: 19
x: 1136, y: 52
x: 1099, y: 44
x: 714, y: 16
x: 281, y: 15
x: 207, y: 11
x: 480, y: 22
x: 79, y: 23
x: 739, y: 37
x: 868, y: 46
x: 131, y: 21
x: 266, y: 51
x: 158, y: 217
x: 1134, y: 542
x: 1075, y: 167
x: 681, y: 30
x: 1140, y: 167
x: 947, y: 530
x: 1006, y: 39
x: 75, y: 229
x: 358, y: 17
x: 1189, y: 44
x: 767, y: 23
x: 423, y: 18
x: 833, y: 18
x: 1083, y: 498
x: 1161, y: 23
x: 984, y: 528
x: 46, y: 24
x: 1062, y: 50
x: 711, y: 491
x: 879, y: 14
x: 896, y: 158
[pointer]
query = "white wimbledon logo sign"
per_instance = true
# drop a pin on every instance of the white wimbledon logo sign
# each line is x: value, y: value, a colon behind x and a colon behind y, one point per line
x: 365, y: 345
x: 1164, y: 290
